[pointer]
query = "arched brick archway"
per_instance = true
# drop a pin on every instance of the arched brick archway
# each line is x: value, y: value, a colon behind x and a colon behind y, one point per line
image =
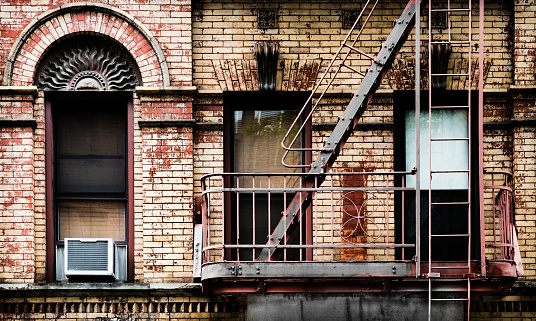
x: 83, y: 18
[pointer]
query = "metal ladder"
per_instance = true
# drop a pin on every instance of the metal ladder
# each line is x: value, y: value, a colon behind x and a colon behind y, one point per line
x: 346, y: 124
x: 465, y: 270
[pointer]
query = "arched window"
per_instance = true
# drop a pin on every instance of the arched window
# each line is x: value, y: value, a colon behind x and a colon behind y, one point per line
x: 88, y: 83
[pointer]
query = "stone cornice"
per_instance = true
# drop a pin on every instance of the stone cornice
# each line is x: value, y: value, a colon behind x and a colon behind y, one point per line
x: 18, y: 123
x: 97, y: 289
x: 18, y: 90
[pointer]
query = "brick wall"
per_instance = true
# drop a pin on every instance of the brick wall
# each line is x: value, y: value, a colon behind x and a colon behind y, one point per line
x: 525, y: 43
x: 171, y: 156
x: 167, y: 188
x: 159, y: 38
x: 225, y: 32
x: 524, y: 113
x: 524, y: 170
x: 18, y: 228
x: 169, y: 24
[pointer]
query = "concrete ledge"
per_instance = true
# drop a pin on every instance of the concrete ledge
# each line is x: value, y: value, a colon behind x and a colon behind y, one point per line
x: 523, y: 89
x: 99, y: 289
x: 18, y: 123
x: 18, y: 90
x: 209, y: 126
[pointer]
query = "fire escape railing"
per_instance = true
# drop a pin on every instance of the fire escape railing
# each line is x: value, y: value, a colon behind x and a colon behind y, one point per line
x: 501, y: 239
x: 346, y: 219
x: 343, y: 216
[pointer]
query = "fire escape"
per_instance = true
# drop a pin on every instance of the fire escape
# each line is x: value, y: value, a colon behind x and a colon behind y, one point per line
x: 336, y: 232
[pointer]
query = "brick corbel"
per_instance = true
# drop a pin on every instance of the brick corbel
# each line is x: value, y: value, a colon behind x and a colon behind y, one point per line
x: 523, y: 104
x: 241, y: 75
x: 16, y: 94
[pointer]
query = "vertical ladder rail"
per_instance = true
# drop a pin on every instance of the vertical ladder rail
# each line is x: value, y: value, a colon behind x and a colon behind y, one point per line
x: 431, y: 214
x: 343, y: 129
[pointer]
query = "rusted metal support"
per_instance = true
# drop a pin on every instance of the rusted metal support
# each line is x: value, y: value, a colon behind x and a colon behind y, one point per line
x: 481, y: 137
x: 344, y: 128
x: 417, y: 140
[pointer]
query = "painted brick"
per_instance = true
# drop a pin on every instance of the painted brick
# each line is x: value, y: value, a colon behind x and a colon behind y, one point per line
x: 17, y: 253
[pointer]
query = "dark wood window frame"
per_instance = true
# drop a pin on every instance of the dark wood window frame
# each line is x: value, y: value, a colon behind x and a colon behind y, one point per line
x: 125, y: 98
x: 260, y: 100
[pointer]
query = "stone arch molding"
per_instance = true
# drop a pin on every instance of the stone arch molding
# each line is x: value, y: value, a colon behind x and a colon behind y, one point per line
x: 85, y: 18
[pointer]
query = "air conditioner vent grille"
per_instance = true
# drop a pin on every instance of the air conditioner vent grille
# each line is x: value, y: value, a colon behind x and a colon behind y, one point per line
x: 88, y: 255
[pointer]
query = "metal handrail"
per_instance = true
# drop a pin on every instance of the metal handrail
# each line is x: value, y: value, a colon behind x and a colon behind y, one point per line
x: 502, y: 207
x: 289, y: 148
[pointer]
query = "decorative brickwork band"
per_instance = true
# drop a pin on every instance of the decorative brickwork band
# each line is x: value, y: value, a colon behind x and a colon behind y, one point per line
x: 117, y: 308
x: 242, y: 75
x: 401, y: 75
x: 83, y: 18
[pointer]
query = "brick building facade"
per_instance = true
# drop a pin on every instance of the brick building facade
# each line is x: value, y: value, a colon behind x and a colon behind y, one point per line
x: 112, y: 114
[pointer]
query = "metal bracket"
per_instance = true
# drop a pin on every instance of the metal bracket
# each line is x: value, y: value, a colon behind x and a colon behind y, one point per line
x: 236, y: 269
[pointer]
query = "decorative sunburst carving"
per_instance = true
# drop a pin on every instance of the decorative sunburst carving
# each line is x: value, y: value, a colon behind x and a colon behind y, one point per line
x: 87, y: 63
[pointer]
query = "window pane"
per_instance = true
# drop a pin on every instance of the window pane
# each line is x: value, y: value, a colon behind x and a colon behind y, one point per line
x: 90, y: 151
x: 446, y: 155
x: 92, y: 219
x: 257, y: 142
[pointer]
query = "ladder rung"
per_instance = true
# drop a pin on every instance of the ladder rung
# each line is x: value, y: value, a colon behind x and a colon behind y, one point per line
x: 443, y: 75
x: 451, y: 171
x: 450, y: 267
x: 449, y: 107
x: 449, y: 139
x: 358, y: 51
x: 353, y: 69
x: 448, y: 10
x: 450, y: 235
x: 451, y: 42
x: 451, y: 203
x: 461, y: 299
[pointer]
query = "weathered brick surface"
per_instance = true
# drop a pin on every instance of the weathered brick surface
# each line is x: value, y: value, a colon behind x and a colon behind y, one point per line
x: 169, y: 23
x: 18, y: 228
x: 166, y: 107
x: 524, y: 43
x: 39, y: 189
x: 170, y: 160
x: 167, y: 204
x: 226, y: 31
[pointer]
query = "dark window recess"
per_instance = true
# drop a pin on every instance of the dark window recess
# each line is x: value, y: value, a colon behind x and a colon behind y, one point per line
x: 447, y: 219
x: 255, y: 125
x: 90, y: 152
x: 90, y: 169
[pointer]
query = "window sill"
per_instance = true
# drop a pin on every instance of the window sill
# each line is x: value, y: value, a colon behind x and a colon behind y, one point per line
x: 98, y: 289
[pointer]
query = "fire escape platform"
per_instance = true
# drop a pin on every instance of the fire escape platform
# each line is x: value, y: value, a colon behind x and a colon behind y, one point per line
x: 344, y: 276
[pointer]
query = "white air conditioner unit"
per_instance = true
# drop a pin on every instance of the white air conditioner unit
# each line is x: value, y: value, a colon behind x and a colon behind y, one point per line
x: 89, y: 257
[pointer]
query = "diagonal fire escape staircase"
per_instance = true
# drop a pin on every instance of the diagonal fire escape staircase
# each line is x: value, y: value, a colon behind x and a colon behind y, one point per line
x: 346, y: 124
